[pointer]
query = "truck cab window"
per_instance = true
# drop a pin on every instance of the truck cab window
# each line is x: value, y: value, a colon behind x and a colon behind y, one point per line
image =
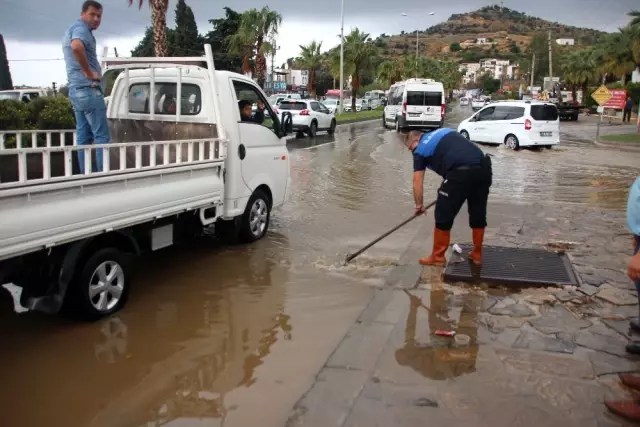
x: 252, y: 107
x: 164, y: 99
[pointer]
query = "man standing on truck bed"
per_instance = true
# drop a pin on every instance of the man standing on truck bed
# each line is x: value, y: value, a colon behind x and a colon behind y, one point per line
x: 467, y: 176
x: 84, y: 77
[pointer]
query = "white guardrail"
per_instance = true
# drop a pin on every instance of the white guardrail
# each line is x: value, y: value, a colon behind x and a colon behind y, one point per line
x: 130, y: 156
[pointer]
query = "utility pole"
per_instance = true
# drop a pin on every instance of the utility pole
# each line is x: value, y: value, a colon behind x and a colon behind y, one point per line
x: 417, y: 52
x: 550, y: 60
x: 533, y: 67
x: 55, y: 91
x: 340, y: 108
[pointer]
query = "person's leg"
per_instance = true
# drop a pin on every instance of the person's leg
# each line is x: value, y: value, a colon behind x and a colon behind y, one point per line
x: 84, y: 135
x: 477, y: 207
x: 635, y: 323
x: 451, y: 196
x: 97, y: 118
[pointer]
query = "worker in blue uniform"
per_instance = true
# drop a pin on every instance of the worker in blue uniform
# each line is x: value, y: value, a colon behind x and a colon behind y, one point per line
x: 467, y: 176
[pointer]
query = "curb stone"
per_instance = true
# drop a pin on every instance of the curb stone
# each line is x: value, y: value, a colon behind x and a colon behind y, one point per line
x: 617, y: 145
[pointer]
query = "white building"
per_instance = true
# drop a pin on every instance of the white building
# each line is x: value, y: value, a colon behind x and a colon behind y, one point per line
x: 299, y: 77
x: 496, y: 68
x: 566, y: 42
x: 470, y: 70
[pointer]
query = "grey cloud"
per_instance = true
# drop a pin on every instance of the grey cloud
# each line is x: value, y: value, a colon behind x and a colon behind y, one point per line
x: 41, y: 21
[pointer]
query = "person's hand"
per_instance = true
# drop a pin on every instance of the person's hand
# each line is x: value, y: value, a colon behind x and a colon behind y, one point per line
x: 260, y: 105
x: 633, y: 269
x: 93, y: 76
x: 419, y: 210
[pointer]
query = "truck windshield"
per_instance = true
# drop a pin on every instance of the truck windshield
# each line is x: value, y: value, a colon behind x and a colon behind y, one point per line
x: 297, y: 106
x: 9, y: 95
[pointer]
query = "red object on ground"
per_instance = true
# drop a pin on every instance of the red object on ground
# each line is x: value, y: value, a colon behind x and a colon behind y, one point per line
x: 443, y: 333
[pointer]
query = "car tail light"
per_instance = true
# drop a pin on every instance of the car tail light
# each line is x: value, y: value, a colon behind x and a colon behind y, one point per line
x: 404, y: 108
x: 527, y: 124
x: 443, y: 110
x: 304, y: 112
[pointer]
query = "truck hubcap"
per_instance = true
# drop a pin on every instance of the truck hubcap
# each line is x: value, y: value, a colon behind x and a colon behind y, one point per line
x: 258, y: 217
x: 106, y: 285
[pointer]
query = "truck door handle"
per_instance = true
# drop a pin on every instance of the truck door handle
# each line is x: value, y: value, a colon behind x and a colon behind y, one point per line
x: 242, y: 152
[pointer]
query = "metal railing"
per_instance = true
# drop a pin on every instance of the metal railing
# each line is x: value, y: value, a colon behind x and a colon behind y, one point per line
x: 54, y: 163
x: 35, y: 138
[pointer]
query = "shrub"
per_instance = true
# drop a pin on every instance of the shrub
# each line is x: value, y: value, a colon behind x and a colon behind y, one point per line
x: 14, y: 114
x: 57, y: 114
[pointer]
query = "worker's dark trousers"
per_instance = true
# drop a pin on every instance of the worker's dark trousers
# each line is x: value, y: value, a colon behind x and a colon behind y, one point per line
x: 626, y: 116
x: 470, y: 183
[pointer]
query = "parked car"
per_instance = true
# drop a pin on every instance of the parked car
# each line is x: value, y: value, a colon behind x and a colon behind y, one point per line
x: 514, y: 123
x: 309, y: 116
x: 331, y: 104
x: 23, y: 94
x: 464, y: 101
x: 361, y: 104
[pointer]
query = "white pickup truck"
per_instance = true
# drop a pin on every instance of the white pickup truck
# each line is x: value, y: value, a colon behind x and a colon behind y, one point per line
x: 68, y: 239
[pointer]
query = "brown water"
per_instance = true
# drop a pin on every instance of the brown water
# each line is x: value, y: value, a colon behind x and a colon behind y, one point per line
x: 233, y: 336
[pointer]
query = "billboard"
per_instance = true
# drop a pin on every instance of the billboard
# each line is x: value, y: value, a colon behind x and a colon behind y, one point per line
x: 617, y: 100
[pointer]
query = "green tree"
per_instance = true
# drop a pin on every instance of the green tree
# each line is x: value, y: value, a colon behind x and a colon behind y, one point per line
x: 310, y: 60
x: 146, y: 47
x: 5, y: 72
x: 579, y: 70
x: 617, y: 54
x: 635, y: 17
x: 358, y: 56
x: 186, y: 40
x: 390, y: 72
x: 455, y: 47
x: 218, y: 38
x: 253, y: 39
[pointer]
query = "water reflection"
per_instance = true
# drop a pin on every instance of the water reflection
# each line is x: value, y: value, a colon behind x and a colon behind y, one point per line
x: 199, y: 323
x: 598, y: 186
x: 438, y: 358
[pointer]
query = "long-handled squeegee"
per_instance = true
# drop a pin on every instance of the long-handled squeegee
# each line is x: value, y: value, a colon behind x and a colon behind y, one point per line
x: 397, y: 227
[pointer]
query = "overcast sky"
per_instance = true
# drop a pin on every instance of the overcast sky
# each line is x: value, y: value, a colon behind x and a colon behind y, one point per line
x: 33, y: 29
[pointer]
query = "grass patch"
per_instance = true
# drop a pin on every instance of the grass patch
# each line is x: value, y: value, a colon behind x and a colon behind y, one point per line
x: 622, y: 137
x: 362, y: 115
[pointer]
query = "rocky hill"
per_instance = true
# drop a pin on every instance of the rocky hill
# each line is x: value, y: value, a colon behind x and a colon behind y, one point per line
x: 491, y: 31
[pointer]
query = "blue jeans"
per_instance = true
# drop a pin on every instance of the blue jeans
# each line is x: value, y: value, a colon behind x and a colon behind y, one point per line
x: 91, y: 120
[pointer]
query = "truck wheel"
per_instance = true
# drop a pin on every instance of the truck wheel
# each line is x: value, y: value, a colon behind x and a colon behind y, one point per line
x: 255, y: 220
x: 102, y: 286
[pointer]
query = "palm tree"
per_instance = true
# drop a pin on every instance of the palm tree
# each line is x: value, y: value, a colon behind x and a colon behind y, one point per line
x: 635, y: 15
x: 390, y: 72
x: 579, y: 70
x: 617, y: 54
x: 358, y: 54
x: 158, y: 23
x: 256, y: 28
x: 311, y: 59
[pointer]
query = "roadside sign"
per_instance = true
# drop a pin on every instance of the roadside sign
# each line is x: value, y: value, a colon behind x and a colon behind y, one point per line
x: 601, y: 95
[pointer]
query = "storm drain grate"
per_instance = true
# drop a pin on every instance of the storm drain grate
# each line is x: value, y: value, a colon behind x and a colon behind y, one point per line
x: 512, y: 266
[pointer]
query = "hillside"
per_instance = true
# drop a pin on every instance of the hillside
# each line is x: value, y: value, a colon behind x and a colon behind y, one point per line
x: 508, y: 33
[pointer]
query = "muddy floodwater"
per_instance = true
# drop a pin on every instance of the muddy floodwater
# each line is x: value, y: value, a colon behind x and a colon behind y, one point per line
x: 215, y: 335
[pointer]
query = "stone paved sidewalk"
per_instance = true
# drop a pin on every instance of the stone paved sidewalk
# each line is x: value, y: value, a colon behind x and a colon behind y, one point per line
x: 535, y: 356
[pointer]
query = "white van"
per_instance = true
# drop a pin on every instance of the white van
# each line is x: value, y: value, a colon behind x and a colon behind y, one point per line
x: 515, y: 124
x: 415, y: 104
x: 181, y: 160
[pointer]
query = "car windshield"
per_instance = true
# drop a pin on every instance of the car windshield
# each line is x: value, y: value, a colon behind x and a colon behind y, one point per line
x: 331, y: 102
x: 292, y: 105
x: 9, y: 95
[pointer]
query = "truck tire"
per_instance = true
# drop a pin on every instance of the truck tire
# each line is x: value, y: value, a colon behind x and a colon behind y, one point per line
x: 255, y: 220
x: 102, y: 286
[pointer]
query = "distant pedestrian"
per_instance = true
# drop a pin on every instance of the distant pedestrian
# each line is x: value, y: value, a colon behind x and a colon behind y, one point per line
x: 467, y: 177
x: 85, y: 80
x: 626, y: 115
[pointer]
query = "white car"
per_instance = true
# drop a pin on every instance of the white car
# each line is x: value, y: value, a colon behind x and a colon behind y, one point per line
x: 332, y: 104
x: 360, y: 105
x: 309, y: 116
x: 464, y: 102
x: 477, y: 103
x: 514, y: 123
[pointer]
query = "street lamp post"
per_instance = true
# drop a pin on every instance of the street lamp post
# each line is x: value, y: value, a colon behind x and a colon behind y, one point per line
x: 340, y: 107
x: 417, y: 41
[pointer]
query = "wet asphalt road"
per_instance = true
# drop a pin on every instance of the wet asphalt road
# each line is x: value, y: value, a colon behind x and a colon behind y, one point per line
x: 233, y: 336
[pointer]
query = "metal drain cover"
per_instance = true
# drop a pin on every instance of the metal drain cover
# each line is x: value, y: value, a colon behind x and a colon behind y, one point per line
x: 515, y: 266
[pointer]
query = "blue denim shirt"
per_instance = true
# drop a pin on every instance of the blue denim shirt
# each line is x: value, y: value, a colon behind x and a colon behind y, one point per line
x: 633, y: 208
x: 81, y: 31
